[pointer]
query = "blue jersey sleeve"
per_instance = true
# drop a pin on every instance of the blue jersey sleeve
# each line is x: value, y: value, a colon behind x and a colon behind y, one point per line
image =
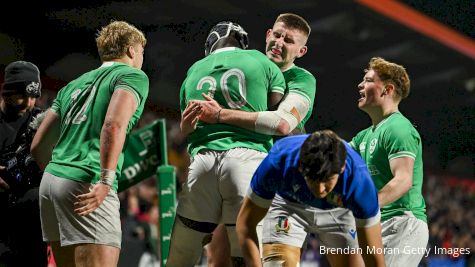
x: 365, y: 206
x: 266, y: 181
x: 363, y: 195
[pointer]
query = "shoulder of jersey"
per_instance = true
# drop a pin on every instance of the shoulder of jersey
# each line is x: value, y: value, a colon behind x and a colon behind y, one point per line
x: 302, y: 71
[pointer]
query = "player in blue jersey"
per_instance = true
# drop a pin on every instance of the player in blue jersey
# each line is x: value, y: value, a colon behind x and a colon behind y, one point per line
x: 312, y: 184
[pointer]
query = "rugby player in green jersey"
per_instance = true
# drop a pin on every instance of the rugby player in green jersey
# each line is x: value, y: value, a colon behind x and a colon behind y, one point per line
x: 224, y: 157
x: 392, y: 149
x: 80, y: 147
x: 285, y: 42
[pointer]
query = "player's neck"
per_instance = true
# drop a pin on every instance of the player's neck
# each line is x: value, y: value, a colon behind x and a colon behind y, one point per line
x: 287, y: 67
x: 124, y: 60
x: 380, y: 113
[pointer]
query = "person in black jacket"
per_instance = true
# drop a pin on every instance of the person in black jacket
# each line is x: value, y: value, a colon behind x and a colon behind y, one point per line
x: 21, y: 242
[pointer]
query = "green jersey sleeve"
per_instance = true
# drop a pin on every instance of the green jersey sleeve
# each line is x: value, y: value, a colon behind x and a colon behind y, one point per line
x: 398, y: 143
x: 277, y: 81
x: 55, y: 107
x: 302, y: 82
x: 135, y: 82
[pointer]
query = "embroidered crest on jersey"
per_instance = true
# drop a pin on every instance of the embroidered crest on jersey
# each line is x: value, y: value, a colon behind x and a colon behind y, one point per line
x: 335, y: 199
x: 362, y: 147
x: 283, y: 224
x: 372, y: 145
x: 373, y: 170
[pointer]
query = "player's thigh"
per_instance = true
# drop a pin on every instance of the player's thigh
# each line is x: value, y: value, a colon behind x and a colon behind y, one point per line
x: 286, y: 223
x: 49, y: 221
x: 336, y: 230
x: 218, y: 249
x: 100, y: 227
x: 187, y: 242
x: 405, y: 239
x: 199, y: 199
x: 236, y: 170
x: 93, y: 255
x: 280, y: 255
x: 63, y: 256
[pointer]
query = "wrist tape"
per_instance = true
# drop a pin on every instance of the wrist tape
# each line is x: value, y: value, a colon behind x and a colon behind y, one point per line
x: 107, y: 177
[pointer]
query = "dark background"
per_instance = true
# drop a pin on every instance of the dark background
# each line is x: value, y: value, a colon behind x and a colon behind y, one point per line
x: 58, y: 36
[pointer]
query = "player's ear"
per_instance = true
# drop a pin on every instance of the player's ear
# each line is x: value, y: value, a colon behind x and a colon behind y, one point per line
x: 131, y: 52
x: 388, y: 89
x: 302, y: 51
x: 268, y: 33
x: 343, y: 168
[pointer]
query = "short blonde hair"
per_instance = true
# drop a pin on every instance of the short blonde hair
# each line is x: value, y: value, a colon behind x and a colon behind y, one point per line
x: 114, y: 39
x: 294, y: 21
x: 391, y: 73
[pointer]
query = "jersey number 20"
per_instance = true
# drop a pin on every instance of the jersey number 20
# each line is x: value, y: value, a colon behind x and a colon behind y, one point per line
x: 211, y: 81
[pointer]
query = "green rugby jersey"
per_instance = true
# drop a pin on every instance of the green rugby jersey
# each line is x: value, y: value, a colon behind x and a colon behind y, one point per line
x: 393, y: 137
x: 82, y: 105
x: 302, y: 82
x: 236, y: 79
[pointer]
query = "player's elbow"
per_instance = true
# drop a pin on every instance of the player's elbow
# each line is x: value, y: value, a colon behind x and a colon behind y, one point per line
x: 34, y: 148
x: 112, y: 127
x: 283, y: 128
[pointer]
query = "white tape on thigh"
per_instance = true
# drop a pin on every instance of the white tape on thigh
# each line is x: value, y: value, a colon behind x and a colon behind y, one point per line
x: 186, y: 245
x: 277, y: 263
x: 233, y: 241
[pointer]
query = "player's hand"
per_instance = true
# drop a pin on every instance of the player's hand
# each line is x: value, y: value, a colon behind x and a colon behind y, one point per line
x: 209, y: 109
x: 89, y: 202
x: 190, y: 117
x: 3, y: 185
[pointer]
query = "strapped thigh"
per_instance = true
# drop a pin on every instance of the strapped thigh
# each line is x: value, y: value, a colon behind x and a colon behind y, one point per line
x: 187, y: 243
x: 277, y: 255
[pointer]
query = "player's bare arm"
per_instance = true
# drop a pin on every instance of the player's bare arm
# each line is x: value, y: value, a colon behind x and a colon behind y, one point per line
x: 274, y: 125
x: 370, y: 237
x: 249, y: 216
x: 45, y: 139
x: 400, y: 184
x: 121, y: 108
x: 273, y: 100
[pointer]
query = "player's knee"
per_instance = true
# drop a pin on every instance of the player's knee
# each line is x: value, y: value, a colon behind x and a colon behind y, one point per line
x: 277, y: 255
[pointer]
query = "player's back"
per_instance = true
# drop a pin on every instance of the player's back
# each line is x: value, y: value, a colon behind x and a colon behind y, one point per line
x: 82, y: 106
x: 236, y: 79
x: 291, y: 184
